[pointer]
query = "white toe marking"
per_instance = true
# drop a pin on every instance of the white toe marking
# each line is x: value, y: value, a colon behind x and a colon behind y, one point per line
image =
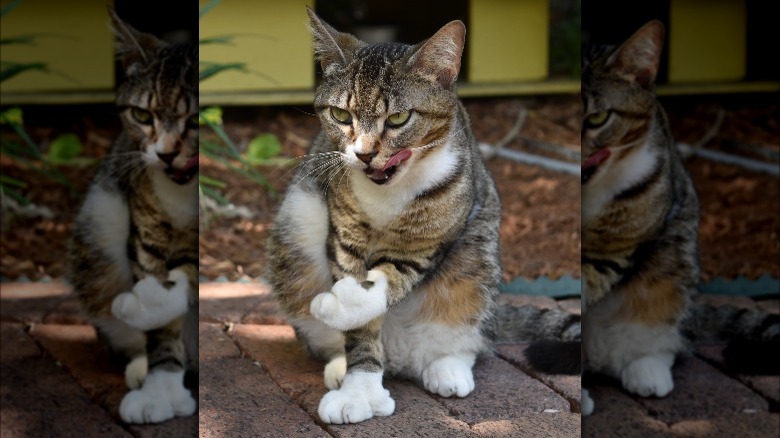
x: 360, y: 397
x: 449, y: 376
x: 135, y: 372
x: 335, y: 371
x: 150, y: 305
x: 649, y: 375
x: 348, y: 305
x: 586, y: 403
x: 162, y: 397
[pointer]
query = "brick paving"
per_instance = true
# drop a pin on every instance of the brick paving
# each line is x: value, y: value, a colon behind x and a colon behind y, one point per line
x: 256, y: 380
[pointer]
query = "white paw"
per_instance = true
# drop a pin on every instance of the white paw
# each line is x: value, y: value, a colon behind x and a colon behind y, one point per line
x: 335, y: 371
x: 361, y: 397
x: 348, y: 305
x: 587, y: 403
x: 135, y: 372
x: 449, y: 376
x: 649, y: 375
x: 162, y: 397
x: 150, y: 305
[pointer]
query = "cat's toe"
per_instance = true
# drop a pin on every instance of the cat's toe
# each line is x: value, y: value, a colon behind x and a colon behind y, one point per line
x: 648, y: 376
x: 324, y: 306
x: 140, y: 407
x: 135, y: 372
x: 587, y: 404
x: 448, y: 376
x: 338, y: 407
x: 335, y: 371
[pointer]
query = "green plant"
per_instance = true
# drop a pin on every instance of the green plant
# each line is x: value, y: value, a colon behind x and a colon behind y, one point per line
x: 65, y: 149
x: 262, y: 150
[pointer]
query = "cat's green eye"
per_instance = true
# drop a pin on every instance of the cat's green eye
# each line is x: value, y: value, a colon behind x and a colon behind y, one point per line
x: 142, y: 116
x: 341, y: 116
x: 398, y: 119
x: 597, y: 119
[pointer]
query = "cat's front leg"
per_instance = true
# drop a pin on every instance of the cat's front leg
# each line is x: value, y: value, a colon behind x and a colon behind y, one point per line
x: 361, y: 394
x: 349, y: 304
x: 151, y: 305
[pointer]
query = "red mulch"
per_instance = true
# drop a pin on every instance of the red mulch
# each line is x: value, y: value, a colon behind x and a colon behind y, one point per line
x: 540, y: 225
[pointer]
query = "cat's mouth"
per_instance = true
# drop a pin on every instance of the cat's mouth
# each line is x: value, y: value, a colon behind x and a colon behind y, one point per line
x: 383, y: 175
x: 591, y: 164
x: 184, y: 174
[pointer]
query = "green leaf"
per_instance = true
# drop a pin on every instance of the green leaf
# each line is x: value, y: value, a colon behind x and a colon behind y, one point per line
x: 15, y: 68
x: 213, y: 194
x: 7, y: 180
x: 205, y: 9
x: 9, y: 7
x: 205, y: 180
x: 214, y: 68
x: 11, y: 116
x: 65, y: 147
x: 225, y: 39
x: 211, y: 116
x: 263, y: 147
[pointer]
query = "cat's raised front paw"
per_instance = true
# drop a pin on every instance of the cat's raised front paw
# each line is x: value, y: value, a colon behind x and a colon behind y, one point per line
x: 150, y: 305
x: 648, y: 375
x: 162, y: 397
x: 449, y: 376
x: 349, y: 305
x: 360, y: 397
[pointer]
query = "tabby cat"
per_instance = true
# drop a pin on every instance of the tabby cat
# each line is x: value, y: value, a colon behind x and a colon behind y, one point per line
x: 384, y: 253
x: 640, y: 217
x: 134, y: 252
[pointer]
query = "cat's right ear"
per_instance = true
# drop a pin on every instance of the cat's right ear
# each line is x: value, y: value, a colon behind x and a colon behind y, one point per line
x: 331, y: 47
x: 133, y: 48
x: 637, y: 60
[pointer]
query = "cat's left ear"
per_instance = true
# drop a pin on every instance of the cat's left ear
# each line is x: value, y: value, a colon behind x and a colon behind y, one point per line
x: 133, y: 48
x: 637, y: 60
x: 439, y: 57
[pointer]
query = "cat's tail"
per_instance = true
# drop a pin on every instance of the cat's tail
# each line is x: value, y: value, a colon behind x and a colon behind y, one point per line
x: 554, y: 336
x: 749, y: 334
x: 529, y: 323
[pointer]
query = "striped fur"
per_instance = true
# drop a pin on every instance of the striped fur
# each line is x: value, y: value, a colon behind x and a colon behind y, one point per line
x: 139, y: 218
x: 428, y: 226
x: 640, y: 219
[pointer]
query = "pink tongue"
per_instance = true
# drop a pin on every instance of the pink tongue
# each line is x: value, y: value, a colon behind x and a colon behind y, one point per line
x: 397, y: 159
x: 193, y: 161
x: 597, y: 158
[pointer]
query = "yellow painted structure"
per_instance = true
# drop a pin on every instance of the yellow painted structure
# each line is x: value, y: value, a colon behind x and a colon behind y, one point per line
x: 707, y: 40
x: 72, y: 37
x: 271, y: 38
x: 508, y: 40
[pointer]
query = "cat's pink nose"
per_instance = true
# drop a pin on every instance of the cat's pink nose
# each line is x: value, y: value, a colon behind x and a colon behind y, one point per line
x: 366, y: 158
x: 167, y: 158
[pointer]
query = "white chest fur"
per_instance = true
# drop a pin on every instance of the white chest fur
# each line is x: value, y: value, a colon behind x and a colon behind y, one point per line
x: 614, y: 177
x: 180, y: 202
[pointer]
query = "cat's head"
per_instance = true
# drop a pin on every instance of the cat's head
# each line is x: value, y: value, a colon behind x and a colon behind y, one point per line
x: 387, y: 106
x: 618, y: 97
x: 158, y: 101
